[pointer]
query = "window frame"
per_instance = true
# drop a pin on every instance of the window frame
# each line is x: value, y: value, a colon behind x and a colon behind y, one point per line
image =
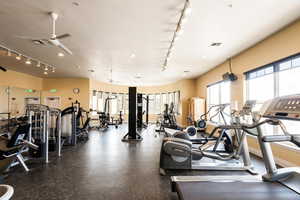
x: 276, y: 85
x: 208, y: 104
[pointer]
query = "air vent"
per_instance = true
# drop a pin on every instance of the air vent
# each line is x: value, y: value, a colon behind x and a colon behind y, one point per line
x: 216, y: 44
x: 91, y: 70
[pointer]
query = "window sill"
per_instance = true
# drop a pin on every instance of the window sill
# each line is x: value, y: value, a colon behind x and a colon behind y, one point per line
x: 281, y: 144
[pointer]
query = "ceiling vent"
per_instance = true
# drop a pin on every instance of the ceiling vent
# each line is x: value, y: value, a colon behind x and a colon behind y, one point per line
x: 216, y: 44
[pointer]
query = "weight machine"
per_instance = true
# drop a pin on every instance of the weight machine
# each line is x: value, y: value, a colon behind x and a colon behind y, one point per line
x: 45, y: 125
x: 105, y: 119
x: 141, y: 112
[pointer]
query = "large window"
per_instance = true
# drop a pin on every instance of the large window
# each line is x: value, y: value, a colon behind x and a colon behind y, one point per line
x: 218, y: 93
x: 277, y: 79
x: 119, y: 102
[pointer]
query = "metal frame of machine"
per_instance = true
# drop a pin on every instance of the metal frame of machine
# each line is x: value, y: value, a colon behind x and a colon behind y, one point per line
x: 211, y: 158
x: 277, y: 183
x: 40, y: 117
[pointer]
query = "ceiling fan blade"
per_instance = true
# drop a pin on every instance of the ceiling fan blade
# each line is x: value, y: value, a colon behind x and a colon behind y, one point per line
x: 63, y: 36
x: 63, y: 47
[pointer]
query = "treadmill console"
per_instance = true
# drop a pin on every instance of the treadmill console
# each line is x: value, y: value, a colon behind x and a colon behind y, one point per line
x: 285, y: 107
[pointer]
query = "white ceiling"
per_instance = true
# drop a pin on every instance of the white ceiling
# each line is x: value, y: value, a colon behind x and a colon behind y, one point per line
x: 106, y: 33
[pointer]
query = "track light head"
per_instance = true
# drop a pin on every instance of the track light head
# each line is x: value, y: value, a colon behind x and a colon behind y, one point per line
x: 19, y: 57
x: 28, y: 62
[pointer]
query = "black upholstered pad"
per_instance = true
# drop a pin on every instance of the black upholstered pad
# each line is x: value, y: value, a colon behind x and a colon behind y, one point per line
x: 203, y: 190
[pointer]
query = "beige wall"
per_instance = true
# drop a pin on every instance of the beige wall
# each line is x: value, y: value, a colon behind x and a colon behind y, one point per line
x: 64, y: 87
x: 186, y: 88
x: 280, y: 45
x: 17, y: 82
x: 20, y: 80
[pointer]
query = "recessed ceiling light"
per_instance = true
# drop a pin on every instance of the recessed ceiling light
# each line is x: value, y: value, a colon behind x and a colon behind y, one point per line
x: 216, y: 44
x: 19, y: 57
x: 60, y: 54
x: 132, y: 55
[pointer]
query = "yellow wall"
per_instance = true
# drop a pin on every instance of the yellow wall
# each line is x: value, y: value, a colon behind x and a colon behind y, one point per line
x: 186, y: 88
x: 64, y: 87
x: 20, y: 80
x: 279, y: 45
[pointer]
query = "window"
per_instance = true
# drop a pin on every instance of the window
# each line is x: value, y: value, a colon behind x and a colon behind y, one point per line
x: 120, y: 103
x: 171, y: 98
x: 218, y: 93
x: 152, y: 104
x: 157, y: 104
x: 177, y: 101
x: 113, y: 104
x: 277, y: 79
x: 120, y: 98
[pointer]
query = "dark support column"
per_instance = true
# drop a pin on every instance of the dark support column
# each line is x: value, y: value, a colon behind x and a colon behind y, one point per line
x: 132, y: 135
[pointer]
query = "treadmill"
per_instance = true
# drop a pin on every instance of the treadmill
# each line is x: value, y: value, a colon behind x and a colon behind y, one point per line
x: 276, y: 184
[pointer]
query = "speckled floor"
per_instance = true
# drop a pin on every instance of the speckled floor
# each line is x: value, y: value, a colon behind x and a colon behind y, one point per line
x: 102, y: 168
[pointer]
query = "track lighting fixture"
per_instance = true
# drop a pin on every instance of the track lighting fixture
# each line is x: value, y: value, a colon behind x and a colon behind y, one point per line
x: 19, y: 57
x: 178, y: 31
x: 28, y: 62
x: 187, y: 8
x: 45, y: 72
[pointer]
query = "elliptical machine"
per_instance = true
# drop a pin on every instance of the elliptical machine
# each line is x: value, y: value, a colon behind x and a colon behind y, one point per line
x: 213, y: 152
x: 201, y: 123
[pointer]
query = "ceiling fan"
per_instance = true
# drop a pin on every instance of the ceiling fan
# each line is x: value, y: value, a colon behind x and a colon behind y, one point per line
x: 54, y: 39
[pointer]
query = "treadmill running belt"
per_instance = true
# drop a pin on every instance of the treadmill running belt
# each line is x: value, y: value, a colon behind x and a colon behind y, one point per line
x: 205, y: 190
